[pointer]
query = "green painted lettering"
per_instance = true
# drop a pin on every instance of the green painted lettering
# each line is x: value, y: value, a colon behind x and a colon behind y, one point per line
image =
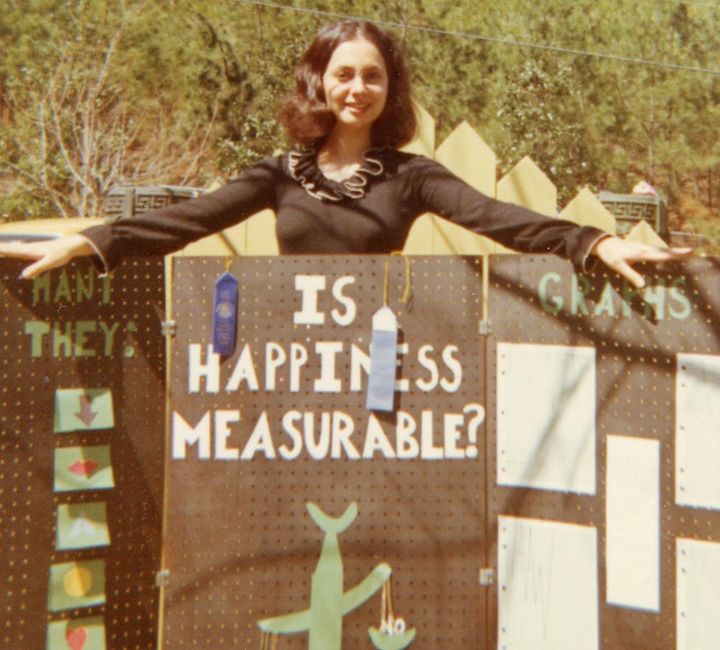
x: 629, y: 293
x: 109, y: 333
x: 62, y: 290
x: 36, y: 329
x: 579, y: 288
x: 554, y: 304
x: 84, y: 285
x: 605, y: 305
x: 62, y: 340
x: 41, y: 289
x: 678, y: 295
x: 82, y: 327
x: 106, y: 289
x: 654, y: 297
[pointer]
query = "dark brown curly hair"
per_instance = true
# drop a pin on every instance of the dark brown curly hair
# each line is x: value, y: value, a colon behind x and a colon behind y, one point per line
x: 306, y: 117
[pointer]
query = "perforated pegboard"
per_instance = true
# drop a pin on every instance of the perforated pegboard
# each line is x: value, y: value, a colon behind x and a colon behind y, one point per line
x: 240, y: 545
x: 636, y: 346
x: 126, y: 357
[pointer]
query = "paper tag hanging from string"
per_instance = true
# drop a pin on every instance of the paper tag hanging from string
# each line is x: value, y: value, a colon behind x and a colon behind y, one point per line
x: 383, y: 361
x: 225, y: 313
x: 384, y: 349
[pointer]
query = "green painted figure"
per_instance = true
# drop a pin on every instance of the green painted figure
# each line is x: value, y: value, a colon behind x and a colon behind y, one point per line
x: 327, y: 581
x: 328, y: 602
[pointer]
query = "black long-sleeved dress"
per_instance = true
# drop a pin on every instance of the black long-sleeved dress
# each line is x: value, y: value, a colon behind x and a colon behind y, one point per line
x: 371, y: 212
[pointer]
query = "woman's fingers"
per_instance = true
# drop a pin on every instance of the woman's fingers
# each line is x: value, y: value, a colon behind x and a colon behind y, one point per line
x: 629, y: 273
x: 21, y: 250
x: 46, y: 254
x: 41, y: 252
x: 43, y: 264
x: 618, y: 253
x: 655, y: 254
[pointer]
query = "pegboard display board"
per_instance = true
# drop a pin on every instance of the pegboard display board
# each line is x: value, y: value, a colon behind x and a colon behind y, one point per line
x: 81, y: 456
x: 644, y: 365
x: 240, y: 545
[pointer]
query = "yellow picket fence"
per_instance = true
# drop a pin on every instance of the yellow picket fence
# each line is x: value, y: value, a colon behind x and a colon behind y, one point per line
x: 467, y: 155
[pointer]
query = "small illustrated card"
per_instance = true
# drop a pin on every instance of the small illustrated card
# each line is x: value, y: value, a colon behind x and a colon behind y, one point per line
x: 76, y: 584
x: 83, y: 468
x: 83, y: 409
x: 81, y: 525
x: 79, y: 634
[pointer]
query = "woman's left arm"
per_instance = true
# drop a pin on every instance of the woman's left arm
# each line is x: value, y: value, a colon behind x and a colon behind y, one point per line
x: 438, y: 190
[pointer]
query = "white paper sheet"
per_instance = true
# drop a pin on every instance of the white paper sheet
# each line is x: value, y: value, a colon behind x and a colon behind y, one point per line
x: 548, y: 586
x: 698, y: 594
x: 632, y: 515
x: 546, y: 417
x: 697, y: 431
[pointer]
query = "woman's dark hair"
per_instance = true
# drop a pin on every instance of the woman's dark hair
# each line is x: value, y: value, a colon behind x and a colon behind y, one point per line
x: 306, y: 117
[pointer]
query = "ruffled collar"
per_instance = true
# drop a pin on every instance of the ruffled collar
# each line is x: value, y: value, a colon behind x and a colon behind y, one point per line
x: 303, y: 167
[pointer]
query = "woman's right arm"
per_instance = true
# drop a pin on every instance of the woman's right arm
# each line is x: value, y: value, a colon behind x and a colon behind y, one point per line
x: 161, y: 231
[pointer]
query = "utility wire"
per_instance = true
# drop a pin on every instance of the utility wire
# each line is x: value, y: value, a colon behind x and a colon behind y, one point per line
x: 488, y: 39
x: 694, y: 3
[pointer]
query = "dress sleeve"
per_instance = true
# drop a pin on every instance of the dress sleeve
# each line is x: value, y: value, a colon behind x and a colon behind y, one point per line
x: 162, y: 231
x: 523, y: 230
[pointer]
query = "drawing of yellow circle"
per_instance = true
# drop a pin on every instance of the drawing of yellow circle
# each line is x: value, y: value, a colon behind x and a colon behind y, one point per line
x: 77, y: 581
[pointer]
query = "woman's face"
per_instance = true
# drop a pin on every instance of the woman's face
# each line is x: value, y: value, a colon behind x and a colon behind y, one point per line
x: 356, y: 83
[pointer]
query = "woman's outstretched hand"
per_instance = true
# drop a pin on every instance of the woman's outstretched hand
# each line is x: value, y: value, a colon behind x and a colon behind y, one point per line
x: 618, y: 253
x: 47, y: 254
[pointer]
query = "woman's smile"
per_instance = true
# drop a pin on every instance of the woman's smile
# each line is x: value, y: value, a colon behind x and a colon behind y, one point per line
x: 357, y: 108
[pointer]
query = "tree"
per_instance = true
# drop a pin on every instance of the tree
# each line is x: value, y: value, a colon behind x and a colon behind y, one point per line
x: 96, y: 93
x: 78, y: 116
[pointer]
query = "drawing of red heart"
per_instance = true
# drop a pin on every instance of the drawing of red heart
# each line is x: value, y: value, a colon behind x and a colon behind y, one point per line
x: 76, y: 638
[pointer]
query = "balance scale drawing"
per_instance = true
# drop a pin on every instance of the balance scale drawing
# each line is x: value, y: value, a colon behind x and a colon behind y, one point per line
x: 329, y: 603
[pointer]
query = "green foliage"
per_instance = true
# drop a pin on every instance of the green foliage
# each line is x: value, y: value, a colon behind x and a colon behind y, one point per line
x: 541, y: 116
x: 249, y: 138
x: 94, y: 92
x: 17, y: 204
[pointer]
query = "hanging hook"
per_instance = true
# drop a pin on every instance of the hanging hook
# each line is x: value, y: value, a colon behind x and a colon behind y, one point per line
x: 391, y: 610
x: 389, y: 623
x: 228, y: 262
x: 383, y: 606
x: 408, y: 286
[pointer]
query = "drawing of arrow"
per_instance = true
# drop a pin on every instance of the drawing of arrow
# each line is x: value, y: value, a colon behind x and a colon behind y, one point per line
x: 86, y: 415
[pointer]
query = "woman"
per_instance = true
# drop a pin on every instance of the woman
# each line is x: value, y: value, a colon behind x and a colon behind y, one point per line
x: 349, y: 190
